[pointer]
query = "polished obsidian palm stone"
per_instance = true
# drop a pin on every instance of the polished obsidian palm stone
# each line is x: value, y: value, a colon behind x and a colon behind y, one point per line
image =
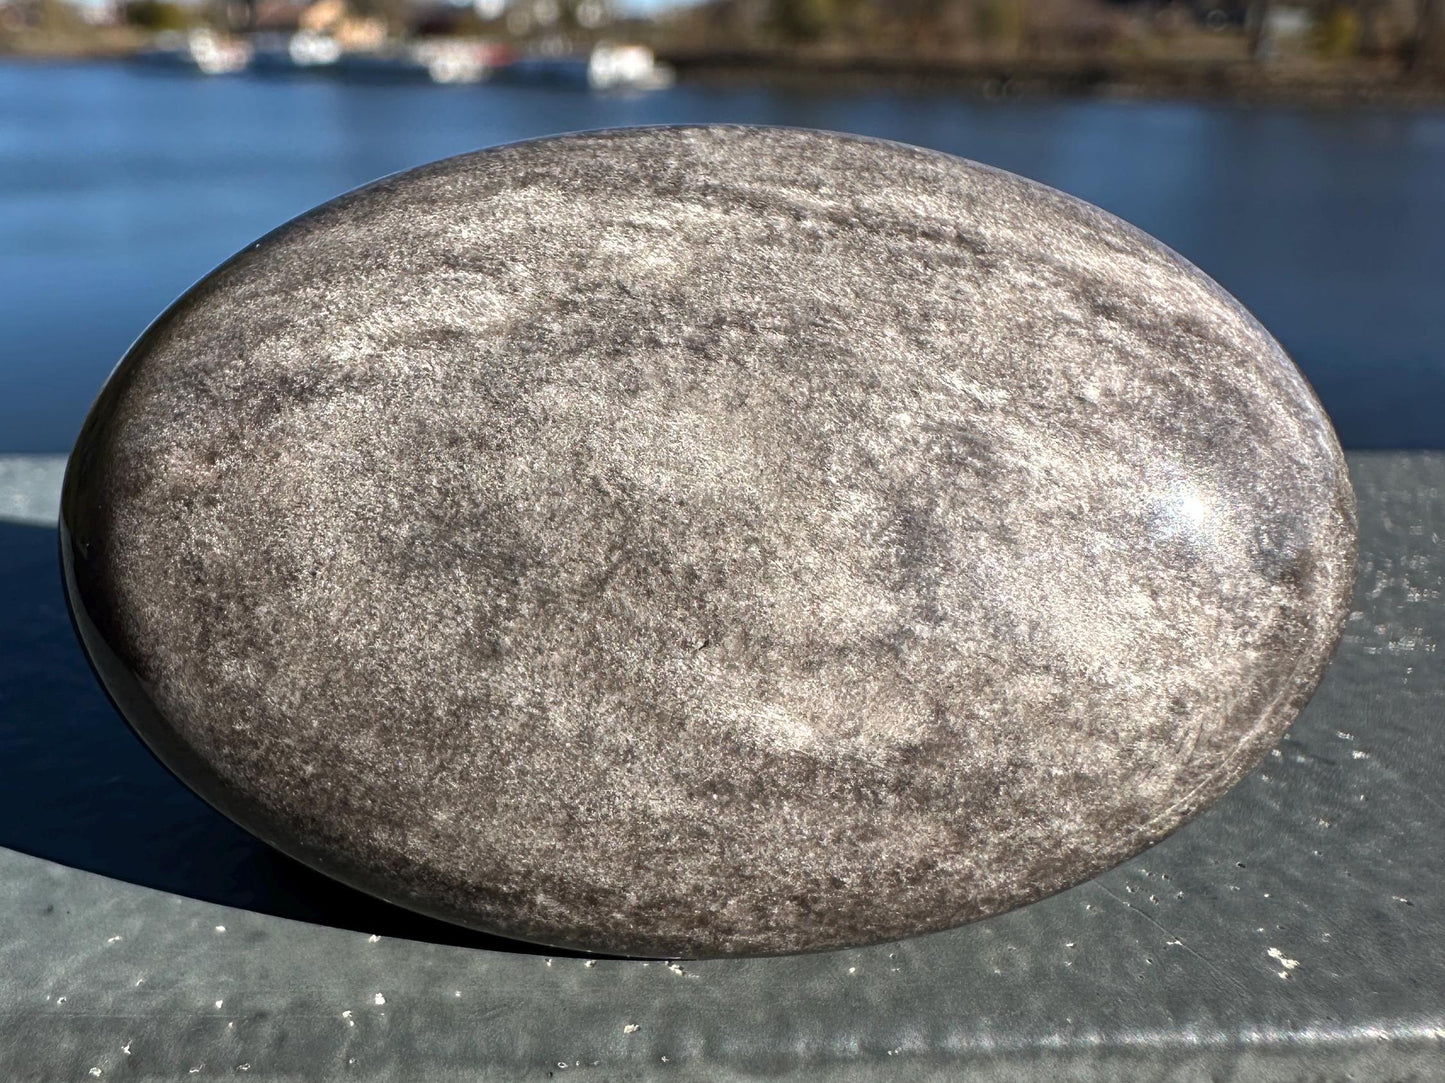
x: 707, y: 541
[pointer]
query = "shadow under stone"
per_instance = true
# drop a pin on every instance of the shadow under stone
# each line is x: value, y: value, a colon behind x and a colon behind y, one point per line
x: 78, y: 788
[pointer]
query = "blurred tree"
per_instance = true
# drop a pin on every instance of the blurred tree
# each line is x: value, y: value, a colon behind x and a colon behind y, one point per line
x: 57, y: 18
x: 1256, y: 28
x: 446, y: 20
x: 396, y: 14
x: 1337, y: 31
x: 157, y: 15
x: 1426, y: 50
x: 1077, y: 28
x: 1071, y: 26
x: 803, y: 20
x: 1000, y: 22
x: 1370, y: 42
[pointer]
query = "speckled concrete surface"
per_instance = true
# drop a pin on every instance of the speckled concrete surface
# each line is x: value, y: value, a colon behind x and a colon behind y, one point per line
x: 710, y: 541
x: 1294, y: 931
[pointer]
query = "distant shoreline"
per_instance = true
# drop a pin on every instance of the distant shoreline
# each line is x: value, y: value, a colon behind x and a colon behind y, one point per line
x: 110, y: 44
x: 1359, y: 83
x: 1285, y: 83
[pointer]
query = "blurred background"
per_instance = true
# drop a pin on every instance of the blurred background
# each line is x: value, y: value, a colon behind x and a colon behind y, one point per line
x: 1294, y: 150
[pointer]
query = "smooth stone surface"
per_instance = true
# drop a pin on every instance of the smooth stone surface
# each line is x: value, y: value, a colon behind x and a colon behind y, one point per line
x: 704, y: 541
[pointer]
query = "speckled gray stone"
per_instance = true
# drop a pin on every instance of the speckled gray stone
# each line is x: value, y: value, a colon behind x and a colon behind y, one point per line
x: 707, y: 541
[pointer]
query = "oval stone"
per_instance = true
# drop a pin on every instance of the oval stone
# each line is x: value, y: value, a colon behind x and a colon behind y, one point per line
x: 683, y: 542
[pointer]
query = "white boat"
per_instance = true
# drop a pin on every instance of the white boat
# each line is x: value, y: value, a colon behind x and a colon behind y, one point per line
x: 456, y: 61
x: 441, y: 61
x: 606, y: 67
x: 201, y: 50
x: 626, y: 67
x: 306, y: 50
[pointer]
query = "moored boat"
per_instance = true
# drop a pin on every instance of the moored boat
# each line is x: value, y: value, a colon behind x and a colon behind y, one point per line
x: 437, y: 60
x: 607, y: 66
x: 626, y: 67
x: 303, y: 51
x: 202, y: 51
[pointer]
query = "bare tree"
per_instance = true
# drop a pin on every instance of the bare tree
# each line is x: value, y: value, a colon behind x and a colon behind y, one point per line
x: 1369, y: 12
x: 1427, y: 50
x: 1256, y: 23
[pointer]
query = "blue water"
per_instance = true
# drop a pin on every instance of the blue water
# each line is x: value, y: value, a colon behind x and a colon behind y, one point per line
x: 119, y: 187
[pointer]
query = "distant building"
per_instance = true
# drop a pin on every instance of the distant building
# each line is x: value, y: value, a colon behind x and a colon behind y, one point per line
x: 333, y: 18
x: 100, y: 12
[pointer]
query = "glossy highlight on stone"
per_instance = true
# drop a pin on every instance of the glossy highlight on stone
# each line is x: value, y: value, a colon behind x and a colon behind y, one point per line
x: 708, y: 541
